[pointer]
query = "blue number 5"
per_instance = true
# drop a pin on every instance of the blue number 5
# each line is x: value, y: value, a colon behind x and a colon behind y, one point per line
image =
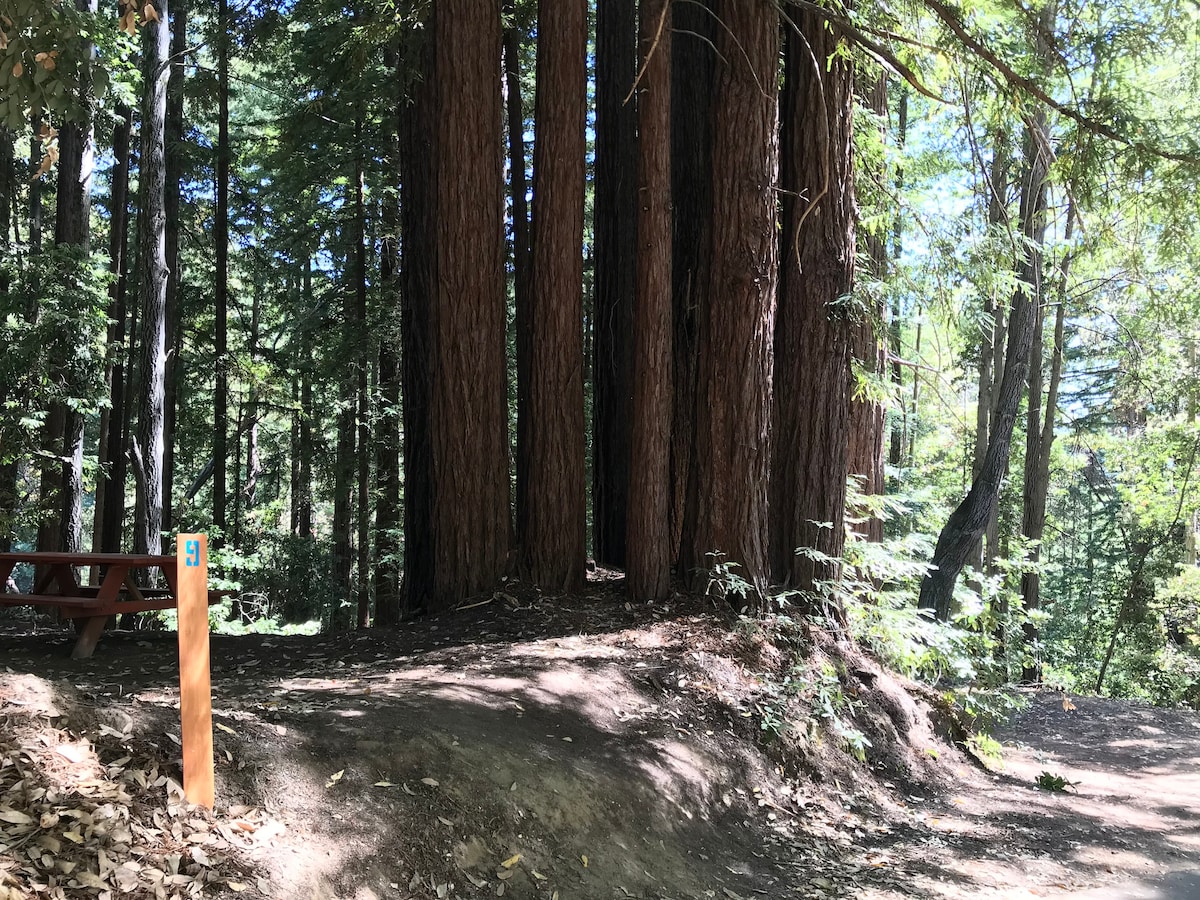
x: 192, y: 558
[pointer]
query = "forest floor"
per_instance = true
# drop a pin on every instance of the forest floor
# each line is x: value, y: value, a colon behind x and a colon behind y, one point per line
x: 565, y: 749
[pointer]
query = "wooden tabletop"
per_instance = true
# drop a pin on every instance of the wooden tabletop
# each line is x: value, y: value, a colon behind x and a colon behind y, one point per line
x: 87, y: 559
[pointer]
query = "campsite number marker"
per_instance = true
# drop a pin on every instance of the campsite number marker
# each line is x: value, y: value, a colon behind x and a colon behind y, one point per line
x: 195, y: 681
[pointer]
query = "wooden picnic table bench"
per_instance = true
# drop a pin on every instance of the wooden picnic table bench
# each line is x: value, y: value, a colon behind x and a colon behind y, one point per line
x: 56, y: 585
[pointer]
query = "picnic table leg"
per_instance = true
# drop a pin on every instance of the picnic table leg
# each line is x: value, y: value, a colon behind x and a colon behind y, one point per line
x: 89, y: 635
x: 93, y: 626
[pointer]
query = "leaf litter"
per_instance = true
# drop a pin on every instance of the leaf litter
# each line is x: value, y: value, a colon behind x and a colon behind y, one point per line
x: 98, y: 815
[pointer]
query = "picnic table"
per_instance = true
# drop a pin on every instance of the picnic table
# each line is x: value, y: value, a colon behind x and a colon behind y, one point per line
x: 56, y: 585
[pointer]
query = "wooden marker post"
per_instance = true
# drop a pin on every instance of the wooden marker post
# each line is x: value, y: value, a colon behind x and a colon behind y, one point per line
x: 195, y: 682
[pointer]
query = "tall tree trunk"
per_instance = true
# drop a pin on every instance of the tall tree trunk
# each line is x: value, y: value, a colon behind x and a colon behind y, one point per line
x: 152, y: 286
x: 693, y: 59
x: 343, y: 480
x: 8, y: 458
x: 471, y: 529
x: 221, y: 239
x: 387, y: 432
x: 895, y: 349
x: 615, y: 231
x: 867, y: 416
x: 812, y: 335
x: 968, y: 521
x: 110, y: 511
x: 1039, y: 440
x: 733, y: 385
x: 649, y: 544
x: 553, y: 535
x: 72, y: 229
x: 991, y: 365
x: 307, y: 412
x: 418, y: 206
x: 50, y: 471
x: 362, y: 369
x: 522, y: 246
x: 174, y: 149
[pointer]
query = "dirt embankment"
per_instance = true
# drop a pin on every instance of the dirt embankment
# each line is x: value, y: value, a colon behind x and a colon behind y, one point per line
x: 573, y: 749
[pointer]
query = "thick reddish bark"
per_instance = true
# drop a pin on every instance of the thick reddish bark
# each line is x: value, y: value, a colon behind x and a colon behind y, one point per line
x: 812, y: 338
x: 459, y: 531
x: 733, y: 385
x: 552, y: 534
x: 649, y: 544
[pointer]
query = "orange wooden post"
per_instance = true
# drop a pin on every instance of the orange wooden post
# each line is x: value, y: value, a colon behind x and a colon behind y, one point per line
x: 195, y: 683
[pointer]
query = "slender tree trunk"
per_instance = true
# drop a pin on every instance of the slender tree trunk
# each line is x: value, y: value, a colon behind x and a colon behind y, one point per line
x: 812, y: 335
x: 418, y: 206
x: 733, y: 385
x: 387, y: 432
x: 895, y: 345
x: 362, y: 366
x: 240, y: 427
x: 522, y: 248
x: 867, y: 416
x: 152, y: 287
x: 968, y: 521
x: 111, y: 511
x: 343, y: 482
x: 649, y: 543
x: 307, y: 412
x: 50, y: 471
x: 72, y: 229
x: 253, y: 459
x: 553, y: 536
x: 1039, y: 440
x: 8, y: 458
x: 221, y: 239
x: 174, y: 149
x: 693, y: 59
x: 991, y: 353
x: 615, y: 234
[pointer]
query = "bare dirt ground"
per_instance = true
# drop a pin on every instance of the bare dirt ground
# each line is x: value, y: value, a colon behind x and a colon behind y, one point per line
x: 562, y: 749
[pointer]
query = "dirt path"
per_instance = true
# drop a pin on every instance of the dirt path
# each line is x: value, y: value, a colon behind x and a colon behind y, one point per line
x: 1129, y: 828
x: 588, y: 751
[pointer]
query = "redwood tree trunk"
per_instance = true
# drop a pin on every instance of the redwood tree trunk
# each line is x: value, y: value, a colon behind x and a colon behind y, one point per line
x: 459, y: 531
x: 615, y: 235
x: 552, y: 536
x: 733, y: 385
x: 813, y: 388
x: 152, y: 288
x: 649, y: 545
